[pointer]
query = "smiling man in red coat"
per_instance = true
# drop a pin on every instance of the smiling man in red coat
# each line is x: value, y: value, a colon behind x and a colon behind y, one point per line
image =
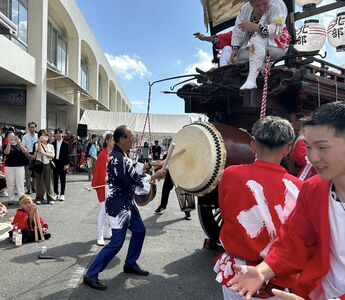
x: 312, y: 239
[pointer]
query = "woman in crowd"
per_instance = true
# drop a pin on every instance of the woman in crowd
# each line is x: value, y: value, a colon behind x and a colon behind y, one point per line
x: 14, y: 166
x: 44, y: 152
x: 98, y: 182
x: 24, y: 220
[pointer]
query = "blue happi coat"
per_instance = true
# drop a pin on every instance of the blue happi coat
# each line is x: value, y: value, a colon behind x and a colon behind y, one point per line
x: 121, y: 182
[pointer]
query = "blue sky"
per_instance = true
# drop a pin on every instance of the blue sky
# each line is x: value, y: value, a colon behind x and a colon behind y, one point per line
x: 148, y: 40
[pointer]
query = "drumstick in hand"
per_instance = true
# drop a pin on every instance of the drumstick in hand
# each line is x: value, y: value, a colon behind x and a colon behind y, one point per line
x: 170, y: 151
x: 178, y: 153
x: 36, y: 228
x: 37, y: 216
x: 89, y: 188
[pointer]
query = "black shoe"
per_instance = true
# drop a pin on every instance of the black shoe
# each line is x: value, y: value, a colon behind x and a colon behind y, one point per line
x: 135, y: 270
x: 28, y: 192
x: 159, y: 209
x: 94, y: 283
x: 188, y: 216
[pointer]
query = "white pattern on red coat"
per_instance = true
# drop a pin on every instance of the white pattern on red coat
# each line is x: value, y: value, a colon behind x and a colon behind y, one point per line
x: 253, y: 211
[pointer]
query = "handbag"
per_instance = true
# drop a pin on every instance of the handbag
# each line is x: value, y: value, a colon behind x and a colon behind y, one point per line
x: 52, y: 164
x: 38, y: 166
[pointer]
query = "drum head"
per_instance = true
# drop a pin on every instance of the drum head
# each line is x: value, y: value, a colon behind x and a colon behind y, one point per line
x: 199, y: 167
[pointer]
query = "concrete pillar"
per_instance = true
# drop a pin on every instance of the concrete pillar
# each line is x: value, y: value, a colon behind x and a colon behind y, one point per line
x: 110, y: 98
x: 73, y: 114
x: 114, y: 100
x: 105, y: 93
x: 74, y: 59
x: 118, y: 101
x: 123, y: 103
x: 93, y: 79
x: 36, y: 104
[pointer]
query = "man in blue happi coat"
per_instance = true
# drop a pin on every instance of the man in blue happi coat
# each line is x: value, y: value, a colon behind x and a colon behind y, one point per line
x: 122, y: 213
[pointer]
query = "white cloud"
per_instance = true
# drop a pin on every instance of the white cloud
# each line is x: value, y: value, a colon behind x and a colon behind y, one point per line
x: 128, y: 67
x: 204, y: 62
x: 177, y: 63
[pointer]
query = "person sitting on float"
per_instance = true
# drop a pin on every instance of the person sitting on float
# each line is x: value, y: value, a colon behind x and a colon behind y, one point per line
x: 221, y: 42
x: 259, y: 29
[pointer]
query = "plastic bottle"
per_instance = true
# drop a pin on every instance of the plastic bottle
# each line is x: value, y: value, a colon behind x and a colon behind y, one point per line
x: 19, y: 238
x: 14, y: 233
x: 43, y: 250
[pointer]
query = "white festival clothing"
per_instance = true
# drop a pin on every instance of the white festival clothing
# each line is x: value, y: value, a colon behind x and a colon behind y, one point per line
x: 256, y: 43
x: 231, y: 295
x: 277, y: 10
x: 333, y: 283
x: 225, y: 55
x: 145, y: 190
x: 257, y: 58
x: 102, y: 222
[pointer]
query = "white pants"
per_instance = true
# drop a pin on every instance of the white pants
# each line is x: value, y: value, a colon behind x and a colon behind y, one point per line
x: 230, y: 295
x: 261, y: 47
x: 225, y: 55
x: 224, y: 58
x: 102, y: 221
x: 15, y: 178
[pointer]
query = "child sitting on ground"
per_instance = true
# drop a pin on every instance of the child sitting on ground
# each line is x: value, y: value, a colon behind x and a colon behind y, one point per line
x: 24, y: 220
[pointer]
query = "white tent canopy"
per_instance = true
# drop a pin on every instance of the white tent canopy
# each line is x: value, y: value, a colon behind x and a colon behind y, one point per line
x: 162, y: 126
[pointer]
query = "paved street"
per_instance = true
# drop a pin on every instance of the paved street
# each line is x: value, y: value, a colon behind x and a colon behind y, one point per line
x: 179, y: 267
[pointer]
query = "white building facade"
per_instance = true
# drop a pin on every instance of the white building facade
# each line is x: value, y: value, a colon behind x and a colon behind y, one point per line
x: 52, y: 68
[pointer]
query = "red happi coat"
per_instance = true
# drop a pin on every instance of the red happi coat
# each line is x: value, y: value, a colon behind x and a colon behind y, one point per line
x: 22, y: 220
x: 299, y: 154
x: 100, y: 173
x: 254, y: 200
x: 306, y: 237
x: 222, y: 39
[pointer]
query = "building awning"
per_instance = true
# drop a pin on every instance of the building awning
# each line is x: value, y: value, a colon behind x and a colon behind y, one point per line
x: 218, y: 12
x: 71, y: 87
x: 162, y: 126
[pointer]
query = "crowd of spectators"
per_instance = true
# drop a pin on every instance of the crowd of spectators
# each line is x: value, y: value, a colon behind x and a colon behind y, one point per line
x: 58, y: 153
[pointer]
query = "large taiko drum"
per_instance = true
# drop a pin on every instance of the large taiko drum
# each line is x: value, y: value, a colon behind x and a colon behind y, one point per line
x: 201, y: 153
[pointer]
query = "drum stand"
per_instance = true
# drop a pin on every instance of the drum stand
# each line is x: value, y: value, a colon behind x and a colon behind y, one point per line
x: 185, y: 200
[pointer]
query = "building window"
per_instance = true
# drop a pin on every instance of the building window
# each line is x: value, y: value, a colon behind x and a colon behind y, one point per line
x: 57, y: 49
x: 100, y: 88
x: 17, y: 11
x: 4, y: 7
x: 84, y: 76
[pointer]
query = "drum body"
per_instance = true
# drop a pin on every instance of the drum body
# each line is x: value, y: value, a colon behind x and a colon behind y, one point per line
x: 202, y: 152
x: 237, y: 144
x: 142, y: 200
